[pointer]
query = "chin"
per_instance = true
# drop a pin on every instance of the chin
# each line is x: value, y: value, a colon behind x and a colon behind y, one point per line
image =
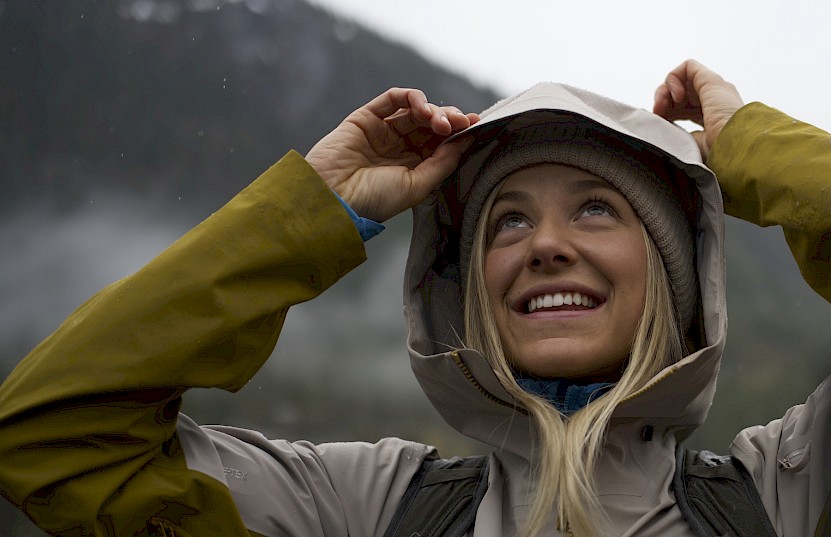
x: 549, y: 367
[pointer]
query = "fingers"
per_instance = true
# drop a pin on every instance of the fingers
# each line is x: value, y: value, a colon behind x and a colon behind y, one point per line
x: 432, y: 171
x: 662, y: 101
x: 676, y: 87
x: 692, y: 75
x: 398, y: 102
x: 692, y: 88
x: 388, y: 154
x: 408, y: 109
x: 446, y: 120
x: 692, y: 91
x: 678, y: 97
x: 395, y: 99
x: 442, y: 121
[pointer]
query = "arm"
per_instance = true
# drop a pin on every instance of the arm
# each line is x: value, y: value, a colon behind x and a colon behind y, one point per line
x: 773, y: 170
x: 90, y: 438
x: 88, y: 418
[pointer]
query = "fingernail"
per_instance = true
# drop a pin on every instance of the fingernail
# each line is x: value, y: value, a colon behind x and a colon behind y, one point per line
x: 444, y: 118
x: 673, y: 90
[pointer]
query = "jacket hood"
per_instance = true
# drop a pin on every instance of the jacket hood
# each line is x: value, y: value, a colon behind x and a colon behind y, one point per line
x: 459, y: 381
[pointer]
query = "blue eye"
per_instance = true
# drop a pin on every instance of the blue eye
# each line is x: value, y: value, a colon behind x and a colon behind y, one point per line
x: 597, y: 208
x: 512, y: 221
x: 508, y: 221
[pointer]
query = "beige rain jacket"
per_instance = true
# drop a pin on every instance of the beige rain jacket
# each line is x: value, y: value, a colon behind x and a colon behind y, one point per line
x: 92, y: 442
x: 766, y: 162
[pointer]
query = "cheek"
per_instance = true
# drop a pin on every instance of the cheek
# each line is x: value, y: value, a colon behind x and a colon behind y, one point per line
x: 634, y: 270
x: 499, y: 268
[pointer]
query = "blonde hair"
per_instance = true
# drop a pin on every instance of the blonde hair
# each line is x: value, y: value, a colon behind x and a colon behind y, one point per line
x: 568, y: 447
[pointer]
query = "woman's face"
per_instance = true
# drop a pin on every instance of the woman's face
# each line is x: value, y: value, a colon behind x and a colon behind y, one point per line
x: 565, y: 271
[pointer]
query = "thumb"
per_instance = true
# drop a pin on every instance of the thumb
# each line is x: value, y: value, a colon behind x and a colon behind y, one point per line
x: 437, y: 167
x: 700, y: 138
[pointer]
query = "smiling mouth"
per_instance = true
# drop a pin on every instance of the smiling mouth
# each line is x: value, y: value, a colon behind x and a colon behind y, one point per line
x: 564, y: 300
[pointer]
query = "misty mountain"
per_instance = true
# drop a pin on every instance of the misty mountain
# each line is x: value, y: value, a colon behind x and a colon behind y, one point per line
x: 123, y: 123
x: 188, y: 99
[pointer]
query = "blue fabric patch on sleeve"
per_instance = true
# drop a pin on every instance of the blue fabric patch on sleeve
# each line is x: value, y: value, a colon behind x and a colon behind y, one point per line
x: 366, y: 227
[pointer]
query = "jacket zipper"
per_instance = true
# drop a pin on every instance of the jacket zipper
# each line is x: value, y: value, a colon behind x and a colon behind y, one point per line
x: 165, y: 529
x: 481, y: 389
x: 649, y: 386
x: 160, y: 527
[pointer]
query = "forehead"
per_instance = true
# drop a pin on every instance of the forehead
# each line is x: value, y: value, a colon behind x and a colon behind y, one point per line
x: 548, y: 177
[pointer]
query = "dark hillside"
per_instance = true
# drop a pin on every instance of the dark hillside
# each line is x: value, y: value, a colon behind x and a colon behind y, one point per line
x: 186, y: 99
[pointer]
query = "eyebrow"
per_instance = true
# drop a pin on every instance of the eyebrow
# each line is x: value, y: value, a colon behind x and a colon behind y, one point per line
x: 519, y: 196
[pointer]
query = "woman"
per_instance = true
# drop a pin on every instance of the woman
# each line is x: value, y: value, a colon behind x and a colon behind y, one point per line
x: 584, y: 402
x: 575, y: 218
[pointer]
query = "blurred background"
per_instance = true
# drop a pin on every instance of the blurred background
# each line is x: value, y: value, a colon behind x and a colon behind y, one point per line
x: 123, y: 123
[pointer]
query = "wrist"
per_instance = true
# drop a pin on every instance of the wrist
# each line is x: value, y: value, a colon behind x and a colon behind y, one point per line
x: 366, y: 227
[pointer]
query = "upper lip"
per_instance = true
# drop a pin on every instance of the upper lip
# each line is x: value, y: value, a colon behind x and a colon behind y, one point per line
x: 520, y: 304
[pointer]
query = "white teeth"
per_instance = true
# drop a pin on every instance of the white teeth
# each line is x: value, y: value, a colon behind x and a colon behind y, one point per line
x: 560, y: 299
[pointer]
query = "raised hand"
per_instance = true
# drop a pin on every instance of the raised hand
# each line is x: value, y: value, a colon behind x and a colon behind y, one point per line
x: 692, y: 91
x: 385, y: 156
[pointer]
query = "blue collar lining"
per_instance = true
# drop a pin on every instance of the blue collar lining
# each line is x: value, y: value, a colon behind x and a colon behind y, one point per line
x: 566, y: 395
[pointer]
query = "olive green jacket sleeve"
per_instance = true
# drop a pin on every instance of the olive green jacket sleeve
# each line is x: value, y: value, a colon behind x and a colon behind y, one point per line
x: 91, y: 442
x: 775, y: 170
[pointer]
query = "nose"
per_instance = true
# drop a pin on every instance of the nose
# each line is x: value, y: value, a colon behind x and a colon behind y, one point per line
x: 551, y: 247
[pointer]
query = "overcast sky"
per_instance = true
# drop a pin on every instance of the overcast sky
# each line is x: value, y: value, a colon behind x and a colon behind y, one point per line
x: 775, y: 52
